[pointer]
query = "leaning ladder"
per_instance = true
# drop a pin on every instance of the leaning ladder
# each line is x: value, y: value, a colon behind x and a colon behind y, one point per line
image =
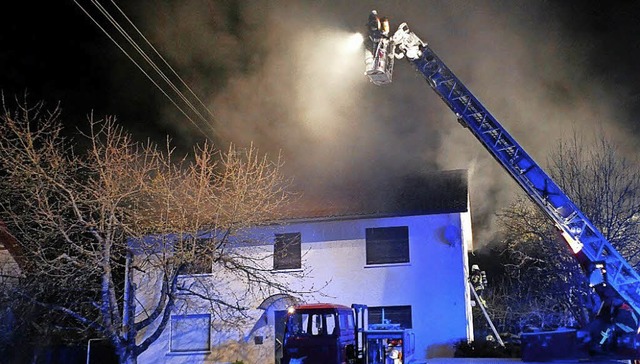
x: 486, y: 315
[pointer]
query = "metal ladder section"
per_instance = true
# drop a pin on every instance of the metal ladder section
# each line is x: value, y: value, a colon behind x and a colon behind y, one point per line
x: 586, y: 241
x: 486, y: 315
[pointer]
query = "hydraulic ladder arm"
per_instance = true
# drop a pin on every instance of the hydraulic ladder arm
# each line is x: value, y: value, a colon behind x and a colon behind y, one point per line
x: 592, y: 250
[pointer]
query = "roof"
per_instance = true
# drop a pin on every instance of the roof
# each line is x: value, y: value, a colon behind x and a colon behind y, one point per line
x: 426, y: 193
x: 321, y: 306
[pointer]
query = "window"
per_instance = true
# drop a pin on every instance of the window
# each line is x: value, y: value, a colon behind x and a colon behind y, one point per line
x: 198, y: 266
x: 330, y: 320
x: 314, y: 324
x: 190, y: 333
x: 390, y: 315
x: 201, y: 263
x: 387, y: 245
x: 346, y: 321
x: 287, y: 251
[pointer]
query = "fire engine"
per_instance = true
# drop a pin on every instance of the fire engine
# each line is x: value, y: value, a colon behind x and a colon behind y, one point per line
x: 614, y: 331
x: 326, y: 333
x: 329, y: 333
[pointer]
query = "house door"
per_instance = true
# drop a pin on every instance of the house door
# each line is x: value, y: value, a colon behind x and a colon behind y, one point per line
x: 280, y: 317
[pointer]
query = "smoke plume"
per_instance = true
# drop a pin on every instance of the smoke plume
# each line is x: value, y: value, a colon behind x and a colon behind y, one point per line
x: 274, y: 74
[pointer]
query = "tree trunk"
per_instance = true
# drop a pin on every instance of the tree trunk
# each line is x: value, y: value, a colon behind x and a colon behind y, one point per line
x: 128, y: 312
x: 128, y: 357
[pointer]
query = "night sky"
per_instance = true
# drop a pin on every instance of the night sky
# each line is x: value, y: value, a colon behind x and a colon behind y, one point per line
x: 54, y: 53
x: 270, y: 74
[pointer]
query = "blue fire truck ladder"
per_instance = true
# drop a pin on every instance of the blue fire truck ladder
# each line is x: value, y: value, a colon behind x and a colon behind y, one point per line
x: 590, y: 247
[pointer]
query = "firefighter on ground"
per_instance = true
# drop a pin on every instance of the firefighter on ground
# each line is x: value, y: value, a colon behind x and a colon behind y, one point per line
x: 394, y: 352
x: 478, y: 280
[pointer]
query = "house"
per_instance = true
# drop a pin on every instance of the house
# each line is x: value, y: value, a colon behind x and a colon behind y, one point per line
x: 404, y: 254
x: 10, y: 257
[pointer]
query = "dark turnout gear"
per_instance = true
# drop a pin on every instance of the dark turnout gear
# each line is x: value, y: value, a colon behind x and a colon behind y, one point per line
x: 478, y: 280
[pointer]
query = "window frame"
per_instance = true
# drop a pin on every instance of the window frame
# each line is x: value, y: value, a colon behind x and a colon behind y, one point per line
x: 183, y: 319
x: 200, y: 266
x: 400, y: 310
x: 383, y: 238
x: 324, y: 323
x: 292, y: 244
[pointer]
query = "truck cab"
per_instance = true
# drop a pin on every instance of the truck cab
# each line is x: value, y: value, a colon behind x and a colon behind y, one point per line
x: 319, y: 333
x: 325, y: 333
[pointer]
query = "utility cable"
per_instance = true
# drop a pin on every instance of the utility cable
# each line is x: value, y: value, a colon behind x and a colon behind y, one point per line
x: 163, y: 60
x: 131, y: 41
x: 140, y: 68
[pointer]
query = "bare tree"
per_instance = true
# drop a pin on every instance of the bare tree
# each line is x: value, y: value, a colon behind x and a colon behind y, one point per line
x: 605, y: 186
x: 88, y: 222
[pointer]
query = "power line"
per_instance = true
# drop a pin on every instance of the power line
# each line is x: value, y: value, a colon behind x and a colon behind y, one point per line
x: 163, y: 60
x: 123, y: 32
x: 147, y: 58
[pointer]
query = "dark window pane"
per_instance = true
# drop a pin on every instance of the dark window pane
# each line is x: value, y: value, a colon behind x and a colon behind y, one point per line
x: 389, y: 315
x: 287, y: 251
x: 201, y: 263
x: 387, y: 245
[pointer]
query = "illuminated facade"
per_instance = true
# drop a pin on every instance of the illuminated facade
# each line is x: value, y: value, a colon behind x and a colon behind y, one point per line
x: 409, y: 267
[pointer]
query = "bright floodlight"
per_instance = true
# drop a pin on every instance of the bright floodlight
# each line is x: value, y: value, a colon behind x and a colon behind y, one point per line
x: 354, y: 42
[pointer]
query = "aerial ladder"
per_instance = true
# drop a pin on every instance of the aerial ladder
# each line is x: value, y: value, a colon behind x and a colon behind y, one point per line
x: 613, y: 279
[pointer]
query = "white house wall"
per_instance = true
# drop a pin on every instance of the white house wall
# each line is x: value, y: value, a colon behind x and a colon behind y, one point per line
x: 433, y: 283
x: 467, y: 241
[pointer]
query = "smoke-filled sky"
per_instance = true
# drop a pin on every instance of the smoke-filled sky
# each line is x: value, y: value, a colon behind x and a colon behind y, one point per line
x: 277, y: 74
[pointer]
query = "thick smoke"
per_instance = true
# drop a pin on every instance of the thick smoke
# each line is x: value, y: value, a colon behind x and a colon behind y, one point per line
x: 274, y: 74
